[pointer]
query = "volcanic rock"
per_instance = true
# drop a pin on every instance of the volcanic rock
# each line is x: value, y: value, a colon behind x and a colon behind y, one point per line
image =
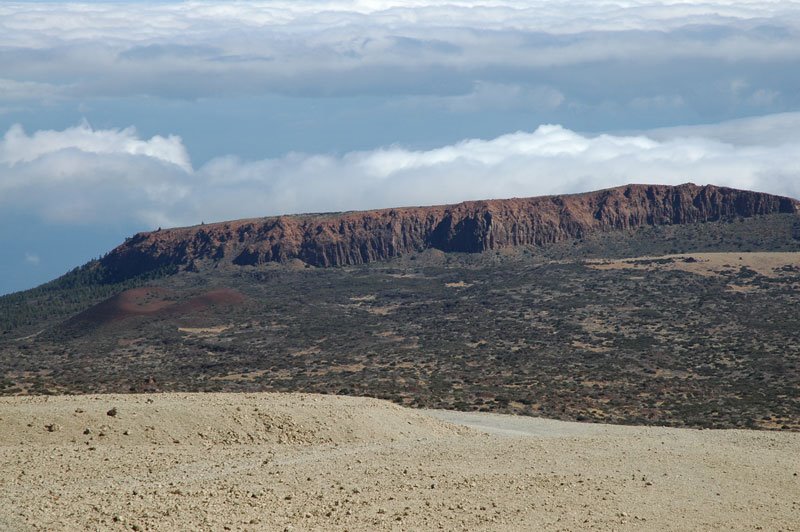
x: 352, y: 238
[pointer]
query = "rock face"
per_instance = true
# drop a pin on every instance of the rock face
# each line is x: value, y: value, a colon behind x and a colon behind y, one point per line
x: 473, y: 226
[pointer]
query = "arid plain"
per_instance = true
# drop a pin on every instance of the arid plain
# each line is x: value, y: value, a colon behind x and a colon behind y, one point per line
x: 671, y: 311
x: 312, y: 462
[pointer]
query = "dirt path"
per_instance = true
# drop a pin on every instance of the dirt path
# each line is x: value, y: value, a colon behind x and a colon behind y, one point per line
x: 505, y: 425
x: 305, y: 462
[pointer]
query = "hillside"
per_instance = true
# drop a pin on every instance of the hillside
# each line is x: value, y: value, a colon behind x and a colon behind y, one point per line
x: 470, y: 227
x: 680, y: 324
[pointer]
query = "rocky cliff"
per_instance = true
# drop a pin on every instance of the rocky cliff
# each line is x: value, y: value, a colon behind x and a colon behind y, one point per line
x: 473, y: 226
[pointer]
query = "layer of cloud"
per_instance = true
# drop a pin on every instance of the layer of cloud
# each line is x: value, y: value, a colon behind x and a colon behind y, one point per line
x: 494, y: 96
x: 84, y: 175
x: 781, y: 131
x: 11, y: 90
x: 17, y: 147
x: 477, y: 52
x: 32, y: 259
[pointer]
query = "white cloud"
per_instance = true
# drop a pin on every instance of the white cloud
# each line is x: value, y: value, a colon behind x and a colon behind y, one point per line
x: 780, y: 131
x: 490, y: 96
x: 193, y: 49
x: 11, y: 90
x: 18, y: 147
x: 764, y: 97
x: 33, y: 24
x: 82, y: 175
x: 658, y: 102
x: 32, y: 258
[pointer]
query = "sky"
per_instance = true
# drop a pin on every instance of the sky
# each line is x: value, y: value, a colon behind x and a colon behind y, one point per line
x: 120, y: 117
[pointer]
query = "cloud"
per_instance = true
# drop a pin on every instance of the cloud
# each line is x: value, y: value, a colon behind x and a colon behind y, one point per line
x: 657, y: 102
x: 31, y: 258
x: 471, y: 51
x: 764, y: 97
x: 489, y: 96
x: 11, y: 90
x: 778, y: 130
x: 18, y: 147
x: 84, y: 175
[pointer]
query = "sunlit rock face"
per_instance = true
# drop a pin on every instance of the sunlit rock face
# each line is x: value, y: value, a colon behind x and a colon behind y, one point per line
x: 352, y: 238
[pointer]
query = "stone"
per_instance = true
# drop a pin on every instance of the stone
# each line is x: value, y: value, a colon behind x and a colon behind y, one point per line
x: 474, y: 226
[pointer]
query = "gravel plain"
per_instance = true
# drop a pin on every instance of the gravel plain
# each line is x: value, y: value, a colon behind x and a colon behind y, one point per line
x: 316, y: 462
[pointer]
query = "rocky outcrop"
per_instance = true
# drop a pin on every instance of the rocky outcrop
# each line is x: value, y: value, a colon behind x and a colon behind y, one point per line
x: 473, y: 226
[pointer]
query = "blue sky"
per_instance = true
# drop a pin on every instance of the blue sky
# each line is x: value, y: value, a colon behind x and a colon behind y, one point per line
x: 118, y: 117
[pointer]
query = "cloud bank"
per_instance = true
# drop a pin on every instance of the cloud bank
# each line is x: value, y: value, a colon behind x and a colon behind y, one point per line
x: 82, y: 175
x: 643, y: 54
x: 32, y: 259
x: 338, y: 81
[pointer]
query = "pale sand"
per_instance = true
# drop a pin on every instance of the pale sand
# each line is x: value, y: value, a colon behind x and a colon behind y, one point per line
x: 306, y: 462
x: 765, y: 263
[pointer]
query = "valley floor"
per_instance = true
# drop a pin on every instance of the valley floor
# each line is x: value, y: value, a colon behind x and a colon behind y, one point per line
x: 315, y: 462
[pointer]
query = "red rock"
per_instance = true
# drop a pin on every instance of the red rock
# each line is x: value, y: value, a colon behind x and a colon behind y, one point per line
x: 473, y: 226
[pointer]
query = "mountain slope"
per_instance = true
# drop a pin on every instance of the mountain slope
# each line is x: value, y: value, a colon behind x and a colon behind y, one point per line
x: 476, y: 226
x: 616, y: 308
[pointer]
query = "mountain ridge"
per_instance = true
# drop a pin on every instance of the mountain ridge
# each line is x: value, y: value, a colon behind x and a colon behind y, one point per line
x: 358, y: 237
x: 685, y: 324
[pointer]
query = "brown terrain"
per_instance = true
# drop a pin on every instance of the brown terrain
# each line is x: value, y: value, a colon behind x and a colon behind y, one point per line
x: 152, y: 301
x: 309, y: 462
x: 641, y: 305
x: 476, y: 226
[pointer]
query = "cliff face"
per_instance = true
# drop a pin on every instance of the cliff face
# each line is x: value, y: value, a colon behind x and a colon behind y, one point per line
x: 475, y: 226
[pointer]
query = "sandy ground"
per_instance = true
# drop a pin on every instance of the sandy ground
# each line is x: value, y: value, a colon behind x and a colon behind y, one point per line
x: 765, y: 263
x: 306, y: 462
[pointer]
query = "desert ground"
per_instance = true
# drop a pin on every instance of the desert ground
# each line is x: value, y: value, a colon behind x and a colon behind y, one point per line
x: 317, y: 462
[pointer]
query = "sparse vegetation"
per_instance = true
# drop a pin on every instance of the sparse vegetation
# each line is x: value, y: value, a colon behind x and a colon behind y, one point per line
x: 65, y: 296
x: 528, y: 331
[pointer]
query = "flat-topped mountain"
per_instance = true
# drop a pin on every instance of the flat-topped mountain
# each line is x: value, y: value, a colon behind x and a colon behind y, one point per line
x: 360, y: 237
x: 640, y: 304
